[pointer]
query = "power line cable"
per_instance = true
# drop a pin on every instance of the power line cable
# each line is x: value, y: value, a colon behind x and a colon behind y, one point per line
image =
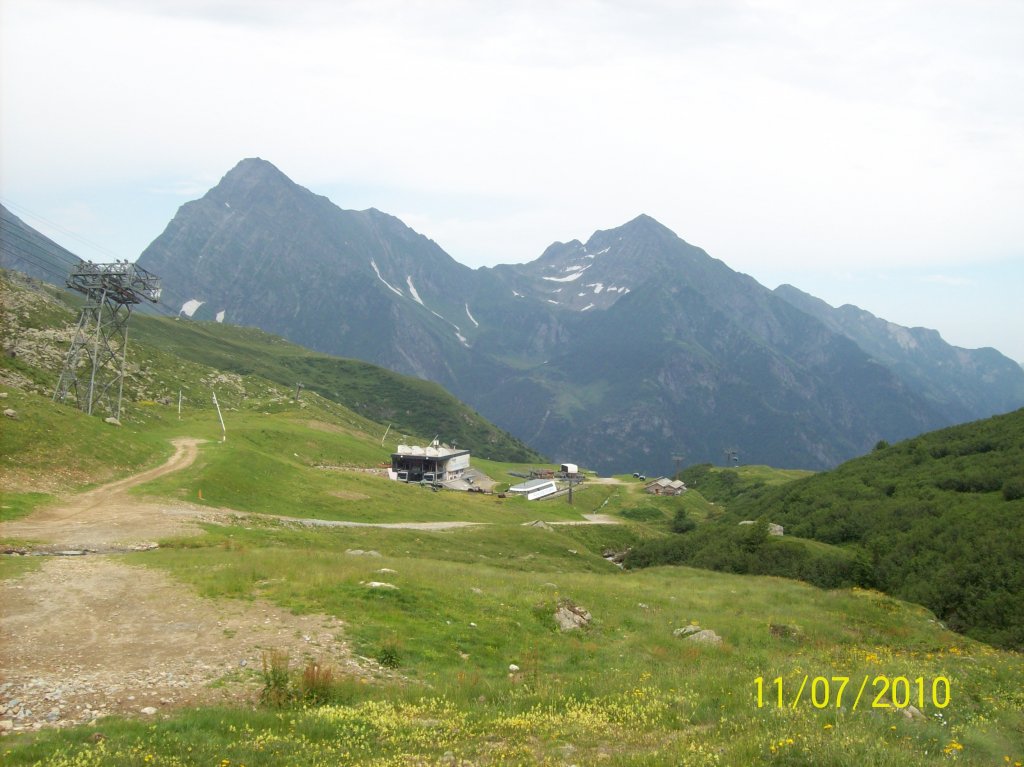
x: 73, y: 235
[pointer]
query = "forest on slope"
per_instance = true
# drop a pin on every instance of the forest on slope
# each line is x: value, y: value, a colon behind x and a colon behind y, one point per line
x: 937, y: 520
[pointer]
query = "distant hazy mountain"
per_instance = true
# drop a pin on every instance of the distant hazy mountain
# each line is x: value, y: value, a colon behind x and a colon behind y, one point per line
x: 966, y: 383
x: 619, y: 353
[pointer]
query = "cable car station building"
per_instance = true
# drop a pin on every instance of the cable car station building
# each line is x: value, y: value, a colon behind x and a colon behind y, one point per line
x: 435, y: 463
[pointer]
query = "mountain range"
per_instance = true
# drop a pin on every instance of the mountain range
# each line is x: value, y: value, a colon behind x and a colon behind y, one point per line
x: 632, y: 351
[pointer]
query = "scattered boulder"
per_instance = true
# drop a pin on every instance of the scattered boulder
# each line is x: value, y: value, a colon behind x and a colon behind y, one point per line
x: 913, y: 713
x: 112, y: 421
x: 380, y: 585
x: 615, y: 557
x: 512, y: 668
x: 707, y: 636
x: 148, y: 711
x: 686, y: 631
x: 361, y: 553
x: 569, y: 616
x: 10, y: 413
x: 695, y: 633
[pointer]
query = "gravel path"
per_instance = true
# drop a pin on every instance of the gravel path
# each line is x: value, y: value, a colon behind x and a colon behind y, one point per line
x: 86, y: 636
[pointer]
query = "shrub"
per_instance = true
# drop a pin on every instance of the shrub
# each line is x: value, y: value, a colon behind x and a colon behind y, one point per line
x: 681, y: 522
x: 317, y: 684
x: 277, y: 690
x: 1013, y: 489
x: 389, y: 655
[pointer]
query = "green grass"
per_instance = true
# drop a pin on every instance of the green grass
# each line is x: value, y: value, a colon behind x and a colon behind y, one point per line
x: 17, y: 505
x: 58, y: 446
x: 622, y: 691
x: 471, y: 601
x: 410, y: 405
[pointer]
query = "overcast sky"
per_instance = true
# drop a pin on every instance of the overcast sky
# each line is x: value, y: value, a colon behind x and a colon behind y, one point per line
x: 867, y: 152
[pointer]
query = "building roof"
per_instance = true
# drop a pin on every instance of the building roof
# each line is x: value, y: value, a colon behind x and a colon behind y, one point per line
x: 530, y: 484
x: 675, y: 484
x: 432, y: 451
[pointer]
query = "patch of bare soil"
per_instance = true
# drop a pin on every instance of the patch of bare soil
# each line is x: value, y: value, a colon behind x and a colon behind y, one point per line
x: 86, y: 636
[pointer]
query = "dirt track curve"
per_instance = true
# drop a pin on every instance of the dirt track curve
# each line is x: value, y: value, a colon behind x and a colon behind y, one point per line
x: 88, y: 635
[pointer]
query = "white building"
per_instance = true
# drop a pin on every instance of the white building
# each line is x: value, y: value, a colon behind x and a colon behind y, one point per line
x: 435, y: 463
x: 535, y: 488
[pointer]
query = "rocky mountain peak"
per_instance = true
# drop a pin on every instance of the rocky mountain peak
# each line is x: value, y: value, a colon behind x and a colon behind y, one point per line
x: 628, y: 347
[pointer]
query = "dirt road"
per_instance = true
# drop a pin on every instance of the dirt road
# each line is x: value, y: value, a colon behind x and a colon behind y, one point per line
x: 107, y: 518
x: 88, y: 635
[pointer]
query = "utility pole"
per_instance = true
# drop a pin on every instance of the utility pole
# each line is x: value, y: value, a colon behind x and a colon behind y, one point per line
x: 298, y: 388
x: 101, y: 336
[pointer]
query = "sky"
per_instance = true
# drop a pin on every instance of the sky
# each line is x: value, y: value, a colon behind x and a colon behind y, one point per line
x: 866, y: 152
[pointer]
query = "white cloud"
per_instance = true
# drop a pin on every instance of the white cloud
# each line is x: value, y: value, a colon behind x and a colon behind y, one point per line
x: 778, y: 135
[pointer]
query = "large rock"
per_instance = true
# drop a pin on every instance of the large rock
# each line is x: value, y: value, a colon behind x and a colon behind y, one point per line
x: 707, y: 636
x: 569, y: 616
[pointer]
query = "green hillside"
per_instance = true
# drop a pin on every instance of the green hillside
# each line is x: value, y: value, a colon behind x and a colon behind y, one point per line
x: 462, y: 661
x: 941, y: 518
x: 937, y: 520
x: 169, y: 356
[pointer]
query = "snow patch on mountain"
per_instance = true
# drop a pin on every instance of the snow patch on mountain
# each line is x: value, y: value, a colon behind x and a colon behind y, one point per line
x: 412, y: 291
x: 190, y: 307
x: 588, y: 306
x: 471, y: 317
x: 220, y: 316
x: 597, y: 286
x: 392, y: 288
x: 569, y: 277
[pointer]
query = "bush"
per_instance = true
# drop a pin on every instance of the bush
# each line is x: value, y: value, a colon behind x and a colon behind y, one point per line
x: 390, y: 655
x: 681, y: 522
x: 317, y: 684
x: 277, y: 689
x: 1013, y: 489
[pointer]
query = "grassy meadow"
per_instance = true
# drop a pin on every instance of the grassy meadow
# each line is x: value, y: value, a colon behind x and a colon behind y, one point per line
x: 473, y: 601
x: 469, y: 665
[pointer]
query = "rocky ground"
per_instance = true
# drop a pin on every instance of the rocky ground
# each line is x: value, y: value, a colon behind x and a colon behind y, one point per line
x: 87, y: 634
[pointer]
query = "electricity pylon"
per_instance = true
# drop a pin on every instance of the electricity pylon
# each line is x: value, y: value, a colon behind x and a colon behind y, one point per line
x: 101, y: 338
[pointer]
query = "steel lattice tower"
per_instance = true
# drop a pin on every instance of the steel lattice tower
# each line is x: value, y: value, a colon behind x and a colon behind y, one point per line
x: 101, y: 338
